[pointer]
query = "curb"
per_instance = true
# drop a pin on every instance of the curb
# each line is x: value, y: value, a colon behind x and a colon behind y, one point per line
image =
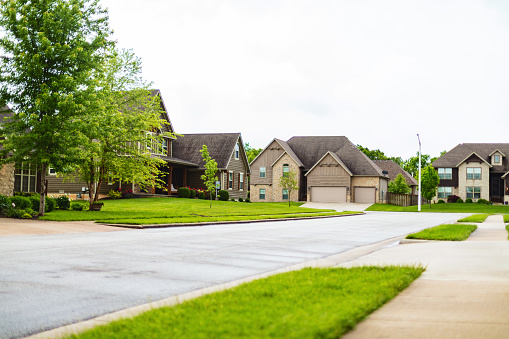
x: 211, y: 223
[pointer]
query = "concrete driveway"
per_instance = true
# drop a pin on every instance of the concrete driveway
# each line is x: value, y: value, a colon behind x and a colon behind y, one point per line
x: 47, y: 281
x: 338, y: 206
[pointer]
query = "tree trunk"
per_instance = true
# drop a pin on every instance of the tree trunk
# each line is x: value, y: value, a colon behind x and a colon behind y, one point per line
x: 97, y: 189
x: 42, y: 203
x: 91, y: 187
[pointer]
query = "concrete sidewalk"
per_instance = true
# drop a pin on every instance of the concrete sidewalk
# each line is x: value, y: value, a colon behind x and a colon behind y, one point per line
x: 464, y: 292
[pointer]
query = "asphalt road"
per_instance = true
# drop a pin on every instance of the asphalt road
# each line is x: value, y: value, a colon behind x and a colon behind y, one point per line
x: 47, y: 281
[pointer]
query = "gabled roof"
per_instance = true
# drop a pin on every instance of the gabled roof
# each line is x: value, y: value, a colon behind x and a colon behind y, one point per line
x: 394, y: 169
x: 310, y: 149
x: 358, y: 162
x: 219, y: 145
x: 289, y: 151
x: 497, y: 150
x: 476, y: 155
x: 461, y: 152
x: 164, y: 115
x: 335, y: 156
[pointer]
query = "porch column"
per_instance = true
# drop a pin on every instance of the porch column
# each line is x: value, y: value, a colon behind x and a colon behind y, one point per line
x: 170, y: 176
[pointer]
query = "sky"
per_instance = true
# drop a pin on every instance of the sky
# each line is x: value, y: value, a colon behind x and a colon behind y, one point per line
x: 377, y: 72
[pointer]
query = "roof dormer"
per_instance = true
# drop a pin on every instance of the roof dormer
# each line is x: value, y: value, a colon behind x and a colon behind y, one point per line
x: 496, y: 157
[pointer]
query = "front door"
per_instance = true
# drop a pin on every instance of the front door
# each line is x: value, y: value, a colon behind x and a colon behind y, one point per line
x: 496, y: 189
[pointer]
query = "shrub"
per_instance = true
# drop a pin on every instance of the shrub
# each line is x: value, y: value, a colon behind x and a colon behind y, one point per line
x: 232, y: 199
x: 183, y: 192
x: 51, y: 204
x: 36, y: 202
x: 63, y: 202
x: 468, y: 201
x: 115, y: 194
x: 202, y: 195
x: 223, y: 195
x: 31, y: 212
x: 440, y: 201
x: 126, y: 193
x: 459, y: 201
x: 241, y: 200
x: 248, y: 200
x: 20, y: 202
x: 13, y: 212
x: 4, y: 203
x: 452, y: 198
x: 76, y: 206
x: 483, y: 202
x: 26, y: 216
x: 192, y: 193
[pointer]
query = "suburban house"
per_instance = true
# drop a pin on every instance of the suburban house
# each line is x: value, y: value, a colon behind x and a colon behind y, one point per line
x: 475, y: 171
x: 328, y: 168
x: 392, y: 169
x: 183, y: 166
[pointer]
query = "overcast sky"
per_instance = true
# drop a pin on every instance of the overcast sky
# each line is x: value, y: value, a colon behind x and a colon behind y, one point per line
x: 378, y: 72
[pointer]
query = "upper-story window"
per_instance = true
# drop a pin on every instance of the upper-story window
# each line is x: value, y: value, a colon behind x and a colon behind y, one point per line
x: 237, y: 151
x: 241, y: 181
x: 445, y: 173
x: 496, y: 159
x: 286, y: 170
x: 262, y: 172
x: 164, y: 146
x: 474, y: 173
x: 230, y: 180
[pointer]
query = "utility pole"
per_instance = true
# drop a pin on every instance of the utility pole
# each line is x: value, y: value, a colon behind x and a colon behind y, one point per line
x: 419, y: 196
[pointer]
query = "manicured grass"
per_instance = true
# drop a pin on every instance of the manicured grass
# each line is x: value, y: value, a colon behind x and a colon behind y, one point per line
x: 507, y: 228
x: 310, y: 303
x: 454, y: 232
x: 475, y: 218
x: 506, y: 218
x: 444, y: 208
x: 173, y: 210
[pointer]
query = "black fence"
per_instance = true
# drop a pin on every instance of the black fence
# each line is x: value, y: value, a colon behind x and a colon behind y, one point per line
x: 404, y: 199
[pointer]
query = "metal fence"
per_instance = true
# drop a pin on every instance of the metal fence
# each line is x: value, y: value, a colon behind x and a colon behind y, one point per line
x: 404, y: 199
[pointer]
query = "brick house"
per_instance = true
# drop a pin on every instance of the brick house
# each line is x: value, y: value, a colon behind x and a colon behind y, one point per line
x: 329, y: 169
x: 475, y: 171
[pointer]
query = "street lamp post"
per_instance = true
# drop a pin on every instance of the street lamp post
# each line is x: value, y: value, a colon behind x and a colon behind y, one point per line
x: 419, y: 196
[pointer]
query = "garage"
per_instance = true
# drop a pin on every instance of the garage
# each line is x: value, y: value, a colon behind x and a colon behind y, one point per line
x: 328, y: 194
x: 365, y: 195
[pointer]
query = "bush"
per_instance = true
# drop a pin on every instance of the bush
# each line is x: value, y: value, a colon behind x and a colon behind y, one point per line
x: 126, y: 193
x: 468, y: 201
x: 51, y: 204
x: 192, y: 194
x: 31, y: 212
x: 452, y: 198
x: 76, y: 206
x: 183, y: 192
x: 36, y: 202
x: 202, y: 195
x: 232, y: 199
x: 63, y: 202
x: 115, y: 194
x: 13, y: 212
x: 20, y: 202
x: 248, y: 200
x: 440, y: 201
x: 241, y: 200
x: 223, y: 195
x: 4, y: 203
x: 483, y: 202
x: 26, y: 216
x: 459, y: 201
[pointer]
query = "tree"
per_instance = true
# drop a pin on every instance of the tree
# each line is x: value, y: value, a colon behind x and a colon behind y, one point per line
x: 399, y: 185
x: 411, y: 165
x: 429, y: 183
x: 120, y: 143
x: 209, y: 177
x: 251, y: 152
x: 51, y: 49
x: 379, y: 155
x: 290, y: 182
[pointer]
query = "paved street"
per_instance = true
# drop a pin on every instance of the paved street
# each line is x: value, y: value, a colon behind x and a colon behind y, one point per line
x: 47, y: 281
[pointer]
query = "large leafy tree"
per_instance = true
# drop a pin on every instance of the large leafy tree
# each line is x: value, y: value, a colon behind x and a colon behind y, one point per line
x: 429, y: 183
x: 399, y: 185
x: 50, y: 51
x: 251, y: 152
x: 379, y: 155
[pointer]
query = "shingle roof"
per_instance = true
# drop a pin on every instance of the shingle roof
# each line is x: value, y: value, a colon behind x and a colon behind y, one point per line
x: 164, y: 115
x: 394, y: 169
x: 290, y: 152
x: 455, y: 156
x: 357, y: 161
x: 219, y: 145
x: 310, y: 149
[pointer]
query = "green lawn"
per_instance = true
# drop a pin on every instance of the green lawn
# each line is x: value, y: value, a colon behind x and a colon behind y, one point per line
x: 507, y: 228
x: 475, y: 218
x: 506, y: 218
x: 310, y: 303
x: 454, y: 232
x: 172, y: 210
x: 445, y: 208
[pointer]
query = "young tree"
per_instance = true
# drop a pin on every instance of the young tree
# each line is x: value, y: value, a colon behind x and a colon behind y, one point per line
x: 289, y: 182
x: 399, y: 185
x: 429, y: 183
x: 209, y: 178
x: 251, y: 152
x: 51, y: 49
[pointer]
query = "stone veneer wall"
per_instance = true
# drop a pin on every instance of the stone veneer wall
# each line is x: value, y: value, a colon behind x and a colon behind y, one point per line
x: 277, y: 173
x: 255, y: 193
x: 365, y: 182
x: 7, y: 179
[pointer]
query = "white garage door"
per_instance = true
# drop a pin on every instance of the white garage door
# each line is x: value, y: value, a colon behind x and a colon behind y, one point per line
x: 364, y: 195
x: 328, y: 194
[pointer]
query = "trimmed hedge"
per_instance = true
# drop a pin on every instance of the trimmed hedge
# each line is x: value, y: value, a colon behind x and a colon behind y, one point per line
x: 223, y: 195
x: 20, y: 202
x: 192, y: 194
x: 183, y: 192
x: 63, y: 202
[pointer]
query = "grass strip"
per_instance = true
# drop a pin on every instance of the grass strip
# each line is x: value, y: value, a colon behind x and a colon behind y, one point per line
x: 310, y: 303
x: 444, y: 208
x: 475, y: 218
x: 506, y: 217
x: 507, y: 228
x: 454, y: 232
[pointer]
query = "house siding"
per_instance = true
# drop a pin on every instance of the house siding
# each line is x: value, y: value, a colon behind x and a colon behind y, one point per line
x: 453, y: 182
x: 484, y: 182
x: 266, y: 159
x: 7, y: 179
x: 334, y: 175
x: 237, y: 166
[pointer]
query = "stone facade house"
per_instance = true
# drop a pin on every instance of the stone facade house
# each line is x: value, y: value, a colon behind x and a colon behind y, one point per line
x: 475, y: 171
x: 328, y: 168
x: 392, y: 170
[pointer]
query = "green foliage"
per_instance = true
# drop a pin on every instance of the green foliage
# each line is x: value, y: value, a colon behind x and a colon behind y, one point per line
x: 444, y: 208
x: 475, y: 218
x: 251, y: 152
x: 459, y: 201
x: 483, y: 202
x: 115, y: 194
x: 232, y: 200
x: 441, y: 201
x: 429, y: 182
x: 36, y: 201
x: 379, y: 155
x: 26, y: 216
x: 454, y: 232
x: 192, y: 193
x: 399, y: 185
x: 223, y: 195
x: 183, y: 192
x: 202, y: 195
x: 4, y: 203
x: 75, y: 206
x: 290, y: 183
x: 20, y: 202
x: 452, y: 198
x: 63, y: 202
x: 468, y: 201
x: 248, y: 200
x: 241, y: 200
x: 209, y: 178
x: 51, y: 204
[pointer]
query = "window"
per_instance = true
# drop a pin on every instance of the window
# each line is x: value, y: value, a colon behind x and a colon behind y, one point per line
x: 51, y: 171
x: 241, y: 181
x: 286, y: 170
x: 444, y: 192
x: 262, y: 194
x: 237, y: 151
x: 165, y: 146
x: 230, y: 180
x: 285, y: 194
x: 262, y: 172
x: 474, y: 173
x: 496, y: 159
x: 25, y: 177
x: 445, y: 173
x: 473, y: 192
